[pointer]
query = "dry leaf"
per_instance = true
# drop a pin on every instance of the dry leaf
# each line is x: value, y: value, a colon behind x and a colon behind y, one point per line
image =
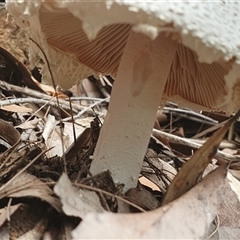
x: 90, y: 88
x: 232, y: 233
x: 76, y: 202
x: 142, y: 197
x: 144, y: 181
x: 229, y: 196
x: 82, y: 142
x: 8, y: 133
x: 185, y: 218
x: 49, y: 126
x: 27, y: 185
x: 85, y: 122
x: 191, y: 171
x: 68, y: 138
x: 157, y: 171
x: 16, y: 109
x: 37, y: 232
x: 7, y: 211
x: 5, y: 232
x: 31, y: 124
x: 49, y: 89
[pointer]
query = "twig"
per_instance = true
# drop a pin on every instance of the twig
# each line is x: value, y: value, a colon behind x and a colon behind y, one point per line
x: 90, y: 188
x: 22, y: 170
x: 36, y: 94
x: 86, y: 99
x: 197, y: 117
x: 58, y: 103
x: 83, y: 111
x: 211, y: 129
x: 217, y: 222
x: 223, y: 144
x: 188, y: 142
x: 8, y: 209
x: 11, y: 150
x: 33, y: 100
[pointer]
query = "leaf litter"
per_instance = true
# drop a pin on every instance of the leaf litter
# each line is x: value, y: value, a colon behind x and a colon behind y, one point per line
x: 168, y: 222
x: 61, y: 199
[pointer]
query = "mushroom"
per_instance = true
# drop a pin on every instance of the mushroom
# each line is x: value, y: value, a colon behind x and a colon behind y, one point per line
x: 188, y: 52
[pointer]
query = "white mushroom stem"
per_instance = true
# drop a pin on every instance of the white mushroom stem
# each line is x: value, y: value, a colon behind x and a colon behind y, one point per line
x: 136, y: 95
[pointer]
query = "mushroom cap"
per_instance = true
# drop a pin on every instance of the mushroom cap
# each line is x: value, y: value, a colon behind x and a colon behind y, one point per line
x: 80, y: 38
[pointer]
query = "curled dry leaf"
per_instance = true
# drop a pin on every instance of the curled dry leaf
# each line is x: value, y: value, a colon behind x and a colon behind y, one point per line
x: 142, y: 197
x: 191, y: 171
x: 76, y: 202
x: 27, y: 185
x: 186, y: 218
x: 8, y: 133
x: 22, y: 75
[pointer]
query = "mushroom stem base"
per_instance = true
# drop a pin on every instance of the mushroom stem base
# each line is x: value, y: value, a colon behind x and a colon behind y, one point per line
x: 136, y: 95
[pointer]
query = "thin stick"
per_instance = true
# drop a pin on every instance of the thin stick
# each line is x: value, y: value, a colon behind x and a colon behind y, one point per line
x: 8, y: 209
x: 34, y: 100
x: 36, y: 94
x: 83, y: 186
x: 211, y: 129
x: 22, y: 170
x: 59, y: 110
x: 188, y: 142
x: 108, y: 194
x: 84, y: 111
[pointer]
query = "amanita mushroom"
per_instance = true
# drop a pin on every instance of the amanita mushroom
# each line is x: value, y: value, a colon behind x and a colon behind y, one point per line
x: 186, y: 51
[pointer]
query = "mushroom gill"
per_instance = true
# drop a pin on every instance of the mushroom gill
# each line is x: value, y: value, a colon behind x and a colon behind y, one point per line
x: 190, y: 82
x: 64, y: 32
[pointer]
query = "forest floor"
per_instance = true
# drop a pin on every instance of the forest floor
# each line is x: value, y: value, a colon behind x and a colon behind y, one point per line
x: 44, y: 195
